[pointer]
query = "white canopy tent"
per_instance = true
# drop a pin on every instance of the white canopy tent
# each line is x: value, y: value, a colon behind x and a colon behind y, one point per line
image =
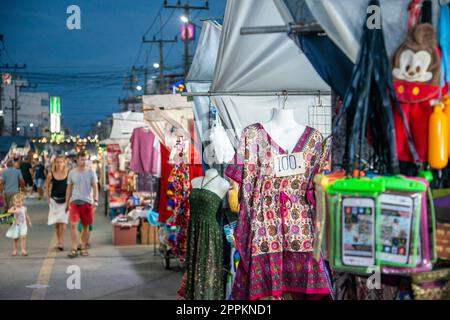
x: 167, y: 112
x: 343, y: 20
x: 201, y: 72
x: 252, y: 69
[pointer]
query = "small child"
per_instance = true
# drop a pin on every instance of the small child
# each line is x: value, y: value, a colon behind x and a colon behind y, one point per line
x: 22, y: 219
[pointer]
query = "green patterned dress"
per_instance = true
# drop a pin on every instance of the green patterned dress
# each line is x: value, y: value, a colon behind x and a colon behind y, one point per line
x: 204, y: 257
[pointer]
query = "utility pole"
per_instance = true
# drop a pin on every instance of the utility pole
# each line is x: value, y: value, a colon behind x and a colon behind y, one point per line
x: 161, y: 42
x: 6, y: 67
x: 15, y: 107
x: 186, y: 10
x: 145, y: 70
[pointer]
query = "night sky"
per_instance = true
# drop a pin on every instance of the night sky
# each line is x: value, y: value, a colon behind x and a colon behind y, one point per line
x: 86, y: 67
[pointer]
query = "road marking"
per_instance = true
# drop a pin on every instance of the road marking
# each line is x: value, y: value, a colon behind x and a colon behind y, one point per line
x: 45, y: 272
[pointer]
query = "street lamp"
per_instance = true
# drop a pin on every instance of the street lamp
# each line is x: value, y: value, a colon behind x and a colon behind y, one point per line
x: 184, y: 19
x: 156, y: 65
x: 31, y: 125
x: 139, y: 88
x: 18, y: 128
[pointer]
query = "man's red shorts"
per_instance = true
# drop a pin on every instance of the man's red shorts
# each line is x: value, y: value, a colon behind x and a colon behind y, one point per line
x: 84, y: 212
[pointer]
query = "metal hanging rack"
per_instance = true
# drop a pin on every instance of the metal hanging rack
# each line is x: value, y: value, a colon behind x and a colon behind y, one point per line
x: 258, y: 94
x: 291, y: 28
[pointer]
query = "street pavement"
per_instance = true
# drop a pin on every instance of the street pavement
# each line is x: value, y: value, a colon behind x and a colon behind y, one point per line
x: 108, y: 273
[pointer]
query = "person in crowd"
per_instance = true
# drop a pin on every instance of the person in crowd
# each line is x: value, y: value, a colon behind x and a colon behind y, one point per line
x: 39, y: 178
x: 10, y: 184
x: 81, y: 200
x: 56, y: 189
x: 27, y: 174
x: 20, y: 225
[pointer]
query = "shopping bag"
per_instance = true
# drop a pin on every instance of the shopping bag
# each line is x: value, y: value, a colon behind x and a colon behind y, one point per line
x: 13, y: 232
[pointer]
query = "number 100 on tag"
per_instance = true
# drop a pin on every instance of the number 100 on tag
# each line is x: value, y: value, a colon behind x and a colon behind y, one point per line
x: 289, y: 164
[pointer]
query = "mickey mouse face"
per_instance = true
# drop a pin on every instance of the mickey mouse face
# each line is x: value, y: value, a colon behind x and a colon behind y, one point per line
x: 413, y: 66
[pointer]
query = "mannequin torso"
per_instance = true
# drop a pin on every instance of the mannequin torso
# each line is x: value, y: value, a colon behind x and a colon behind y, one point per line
x: 283, y: 129
x: 212, y: 182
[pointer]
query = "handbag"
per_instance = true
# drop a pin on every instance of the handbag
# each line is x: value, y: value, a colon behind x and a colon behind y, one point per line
x: 13, y: 232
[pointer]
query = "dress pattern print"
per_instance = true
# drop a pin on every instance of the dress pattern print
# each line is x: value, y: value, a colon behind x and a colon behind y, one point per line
x: 274, y: 232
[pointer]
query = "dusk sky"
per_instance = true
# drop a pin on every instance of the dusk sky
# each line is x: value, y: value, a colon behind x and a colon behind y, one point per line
x: 86, y: 67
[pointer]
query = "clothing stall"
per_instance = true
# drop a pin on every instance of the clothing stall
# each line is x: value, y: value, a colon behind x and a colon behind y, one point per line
x: 171, y: 119
x: 316, y: 217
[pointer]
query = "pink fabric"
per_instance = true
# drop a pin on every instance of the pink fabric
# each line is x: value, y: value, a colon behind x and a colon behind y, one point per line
x: 144, y: 157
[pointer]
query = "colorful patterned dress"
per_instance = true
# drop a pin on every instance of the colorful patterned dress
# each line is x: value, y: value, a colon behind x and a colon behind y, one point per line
x: 274, y: 233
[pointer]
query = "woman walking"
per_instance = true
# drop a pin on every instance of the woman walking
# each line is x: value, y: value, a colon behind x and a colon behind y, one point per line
x: 56, y: 184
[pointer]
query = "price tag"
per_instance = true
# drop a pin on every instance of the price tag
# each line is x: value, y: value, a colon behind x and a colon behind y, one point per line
x: 289, y: 164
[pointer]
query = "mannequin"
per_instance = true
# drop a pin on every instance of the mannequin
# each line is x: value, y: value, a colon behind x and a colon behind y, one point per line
x: 283, y: 129
x: 212, y: 182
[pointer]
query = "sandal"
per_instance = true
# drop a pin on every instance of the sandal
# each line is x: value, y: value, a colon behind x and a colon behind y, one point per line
x: 84, y: 252
x: 24, y: 254
x: 59, y: 248
x: 73, y: 254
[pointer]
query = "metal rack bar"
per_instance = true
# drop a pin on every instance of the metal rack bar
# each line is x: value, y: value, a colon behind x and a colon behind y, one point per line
x: 257, y: 94
x: 291, y: 28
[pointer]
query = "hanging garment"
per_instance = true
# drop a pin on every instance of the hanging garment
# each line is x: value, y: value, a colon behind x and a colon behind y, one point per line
x: 178, y: 202
x: 274, y: 235
x: 417, y: 82
x: 204, y: 257
x: 367, y: 108
x: 144, y: 154
x: 166, y: 168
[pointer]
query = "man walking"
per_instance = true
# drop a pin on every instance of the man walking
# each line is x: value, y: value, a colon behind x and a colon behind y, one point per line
x: 81, y: 201
x: 27, y: 172
x: 10, y: 185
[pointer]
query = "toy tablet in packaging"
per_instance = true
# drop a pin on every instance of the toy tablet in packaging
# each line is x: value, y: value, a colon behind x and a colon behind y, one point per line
x: 398, y: 221
x: 352, y: 216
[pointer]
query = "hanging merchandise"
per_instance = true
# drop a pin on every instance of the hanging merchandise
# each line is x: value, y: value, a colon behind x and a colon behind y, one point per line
x: 233, y: 197
x: 220, y: 149
x: 382, y: 222
x: 145, y: 153
x: 178, y: 203
x: 438, y: 139
x: 204, y: 258
x: 274, y: 231
x: 446, y: 103
x: 417, y: 81
x: 367, y: 106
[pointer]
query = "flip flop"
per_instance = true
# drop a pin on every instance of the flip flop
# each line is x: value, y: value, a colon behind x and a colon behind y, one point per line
x: 24, y: 254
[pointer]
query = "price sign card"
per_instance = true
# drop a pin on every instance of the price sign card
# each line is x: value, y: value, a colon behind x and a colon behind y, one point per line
x: 289, y: 164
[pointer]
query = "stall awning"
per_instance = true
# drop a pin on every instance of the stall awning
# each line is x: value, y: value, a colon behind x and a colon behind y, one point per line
x: 250, y: 68
x: 201, y: 72
x: 167, y: 112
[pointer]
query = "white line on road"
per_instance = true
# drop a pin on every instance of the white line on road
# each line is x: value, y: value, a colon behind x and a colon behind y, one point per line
x: 45, y: 272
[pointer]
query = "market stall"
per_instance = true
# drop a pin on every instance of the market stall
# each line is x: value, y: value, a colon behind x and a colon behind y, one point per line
x: 299, y: 214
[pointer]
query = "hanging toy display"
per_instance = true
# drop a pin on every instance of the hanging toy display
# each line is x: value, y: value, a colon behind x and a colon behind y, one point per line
x: 438, y: 139
x: 417, y: 81
x: 178, y: 203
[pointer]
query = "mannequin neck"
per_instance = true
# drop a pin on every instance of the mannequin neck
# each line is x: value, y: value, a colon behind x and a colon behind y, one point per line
x: 283, y: 117
x: 211, y: 173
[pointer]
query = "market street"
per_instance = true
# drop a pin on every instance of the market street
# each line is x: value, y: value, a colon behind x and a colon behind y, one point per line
x: 109, y: 272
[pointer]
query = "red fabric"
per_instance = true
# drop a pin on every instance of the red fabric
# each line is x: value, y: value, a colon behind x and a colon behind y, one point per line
x: 166, y: 168
x: 415, y: 101
x: 84, y: 212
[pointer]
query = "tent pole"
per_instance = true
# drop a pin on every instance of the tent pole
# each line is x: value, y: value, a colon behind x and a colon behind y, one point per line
x: 291, y: 28
x: 257, y: 94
